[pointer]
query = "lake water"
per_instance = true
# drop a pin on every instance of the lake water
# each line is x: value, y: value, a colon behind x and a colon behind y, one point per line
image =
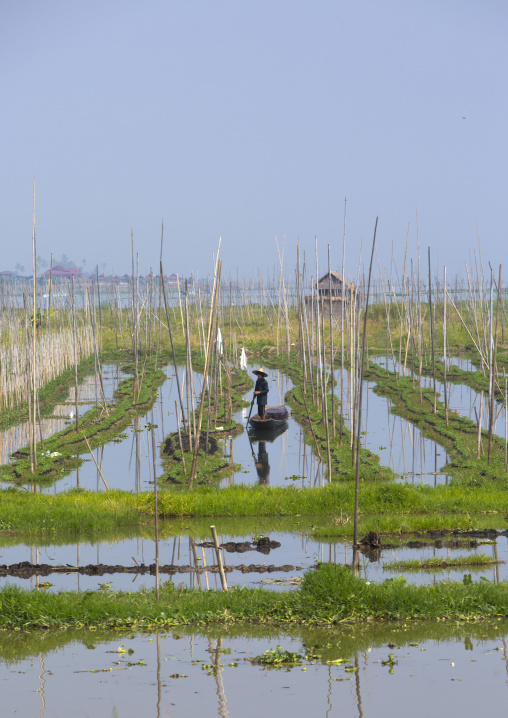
x: 433, y: 670
x: 89, y: 394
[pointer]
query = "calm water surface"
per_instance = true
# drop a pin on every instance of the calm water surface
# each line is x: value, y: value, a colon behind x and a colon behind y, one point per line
x: 434, y: 670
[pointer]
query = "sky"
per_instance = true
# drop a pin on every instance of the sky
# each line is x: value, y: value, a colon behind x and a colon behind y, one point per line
x: 262, y: 123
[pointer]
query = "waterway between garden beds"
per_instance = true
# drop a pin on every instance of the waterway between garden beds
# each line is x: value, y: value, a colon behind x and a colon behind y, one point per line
x: 272, y: 459
x: 390, y: 670
x: 271, y: 559
x: 283, y: 460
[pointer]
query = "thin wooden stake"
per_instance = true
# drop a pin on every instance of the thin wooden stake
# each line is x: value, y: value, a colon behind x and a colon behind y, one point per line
x: 357, y: 482
x: 95, y: 462
x: 219, y: 559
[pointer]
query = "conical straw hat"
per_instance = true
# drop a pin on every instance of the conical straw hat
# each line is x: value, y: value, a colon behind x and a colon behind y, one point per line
x: 260, y: 372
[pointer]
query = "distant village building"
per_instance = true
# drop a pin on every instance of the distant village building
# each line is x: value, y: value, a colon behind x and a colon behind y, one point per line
x: 338, y: 286
x: 171, y: 280
x: 59, y: 271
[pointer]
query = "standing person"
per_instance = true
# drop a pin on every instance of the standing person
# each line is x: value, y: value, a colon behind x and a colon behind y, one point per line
x: 261, y: 391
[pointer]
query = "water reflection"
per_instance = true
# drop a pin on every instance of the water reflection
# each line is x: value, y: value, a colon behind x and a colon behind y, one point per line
x: 263, y: 557
x: 461, y: 399
x: 262, y: 465
x: 258, y: 442
x: 373, y: 670
x: 400, y: 445
x: 88, y: 395
x: 286, y: 458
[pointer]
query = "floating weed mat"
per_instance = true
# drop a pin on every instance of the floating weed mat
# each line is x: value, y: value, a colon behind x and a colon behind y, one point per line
x: 437, y: 564
x: 277, y: 658
x: 290, y: 581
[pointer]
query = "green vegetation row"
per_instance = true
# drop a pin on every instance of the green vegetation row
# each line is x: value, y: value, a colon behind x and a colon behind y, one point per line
x: 212, y: 464
x: 67, y: 443
x: 312, y: 419
x: 329, y: 594
x: 458, y: 437
x: 384, y: 508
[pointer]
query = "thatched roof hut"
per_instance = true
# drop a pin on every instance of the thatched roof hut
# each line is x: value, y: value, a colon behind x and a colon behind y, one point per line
x: 351, y: 293
x: 336, y: 286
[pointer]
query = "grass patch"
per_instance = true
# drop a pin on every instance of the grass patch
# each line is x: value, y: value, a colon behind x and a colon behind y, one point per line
x: 387, y: 508
x: 474, y: 560
x: 329, y: 594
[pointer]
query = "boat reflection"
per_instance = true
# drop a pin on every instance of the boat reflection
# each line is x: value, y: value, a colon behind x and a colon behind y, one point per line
x: 262, y: 438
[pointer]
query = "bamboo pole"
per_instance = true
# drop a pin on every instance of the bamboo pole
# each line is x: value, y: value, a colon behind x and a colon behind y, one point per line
x: 357, y: 482
x: 494, y: 369
x: 34, y: 335
x: 95, y: 462
x: 74, y: 332
x: 219, y: 559
x: 432, y: 337
x: 444, y: 348
x: 156, y: 510
x: 205, y: 376
x: 134, y: 324
x: 172, y: 346
x: 187, y: 368
x: 342, y: 327
x: 50, y: 289
x: 332, y: 370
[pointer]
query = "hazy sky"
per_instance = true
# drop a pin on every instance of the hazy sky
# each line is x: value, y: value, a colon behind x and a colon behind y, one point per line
x: 250, y: 121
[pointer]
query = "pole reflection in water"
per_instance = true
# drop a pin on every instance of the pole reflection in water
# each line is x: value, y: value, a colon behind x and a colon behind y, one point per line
x: 159, y: 686
x: 357, y: 687
x: 217, y: 669
x: 43, y: 682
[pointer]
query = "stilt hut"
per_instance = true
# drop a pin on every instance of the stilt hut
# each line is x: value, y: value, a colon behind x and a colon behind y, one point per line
x: 351, y: 293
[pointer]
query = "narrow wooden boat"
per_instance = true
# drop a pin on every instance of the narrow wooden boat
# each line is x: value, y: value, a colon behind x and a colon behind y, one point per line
x: 275, y: 416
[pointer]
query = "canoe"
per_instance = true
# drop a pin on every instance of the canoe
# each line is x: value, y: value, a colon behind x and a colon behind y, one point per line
x: 275, y: 416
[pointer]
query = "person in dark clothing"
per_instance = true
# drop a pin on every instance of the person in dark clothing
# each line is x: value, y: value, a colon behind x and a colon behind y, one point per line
x: 261, y: 391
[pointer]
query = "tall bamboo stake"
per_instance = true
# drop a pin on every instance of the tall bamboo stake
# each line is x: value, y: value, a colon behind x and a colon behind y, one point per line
x: 494, y: 370
x: 156, y: 511
x: 357, y: 482
x: 444, y: 348
x: 219, y: 559
x: 134, y: 325
x: 34, y: 334
x: 432, y: 338
x: 50, y: 287
x: 172, y: 346
x: 332, y: 370
x: 205, y: 377
x: 342, y: 326
x: 75, y: 342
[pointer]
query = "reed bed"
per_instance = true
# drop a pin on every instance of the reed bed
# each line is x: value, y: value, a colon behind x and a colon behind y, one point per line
x: 54, y: 353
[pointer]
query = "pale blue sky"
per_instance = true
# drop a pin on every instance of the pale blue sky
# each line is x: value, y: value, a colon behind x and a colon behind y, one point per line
x: 250, y: 120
